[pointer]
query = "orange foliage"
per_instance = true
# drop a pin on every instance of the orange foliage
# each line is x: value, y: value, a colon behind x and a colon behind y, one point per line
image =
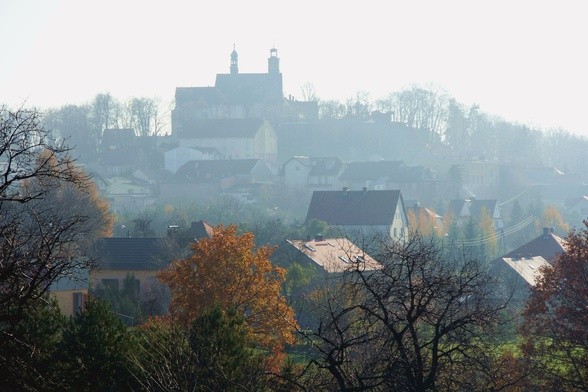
x: 226, y: 270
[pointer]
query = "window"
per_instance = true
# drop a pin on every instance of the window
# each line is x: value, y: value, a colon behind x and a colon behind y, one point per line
x: 78, y: 302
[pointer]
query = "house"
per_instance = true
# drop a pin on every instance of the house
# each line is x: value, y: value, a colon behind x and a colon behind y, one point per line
x: 423, y: 215
x: 118, y: 259
x: 312, y: 172
x: 334, y: 255
x: 361, y: 213
x: 129, y: 194
x: 120, y: 150
x: 464, y: 209
x: 415, y: 182
x: 205, y: 180
x: 476, y: 177
x: 519, y: 269
x: 578, y: 205
x: 71, y: 292
x: 177, y: 157
x: 243, y: 138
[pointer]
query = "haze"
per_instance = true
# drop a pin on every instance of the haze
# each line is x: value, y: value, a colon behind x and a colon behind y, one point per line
x: 522, y: 61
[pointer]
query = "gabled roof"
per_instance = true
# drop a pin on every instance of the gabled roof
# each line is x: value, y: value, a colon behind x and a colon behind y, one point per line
x: 319, y: 166
x: 209, y: 170
x: 529, y: 268
x: 476, y: 207
x: 471, y: 207
x: 220, y: 128
x: 354, y: 208
x: 336, y: 254
x: 201, y: 229
x: 547, y: 245
x: 119, y: 253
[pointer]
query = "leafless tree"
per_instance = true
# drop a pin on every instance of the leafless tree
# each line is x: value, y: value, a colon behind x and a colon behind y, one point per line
x: 417, y: 324
x: 49, y: 212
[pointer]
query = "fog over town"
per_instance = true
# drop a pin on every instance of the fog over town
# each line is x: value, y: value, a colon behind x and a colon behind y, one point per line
x: 293, y: 197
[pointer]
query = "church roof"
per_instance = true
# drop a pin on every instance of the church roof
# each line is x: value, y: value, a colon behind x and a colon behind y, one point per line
x: 250, y: 88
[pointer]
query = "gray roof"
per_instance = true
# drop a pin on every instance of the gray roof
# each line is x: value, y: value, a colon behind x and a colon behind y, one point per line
x: 354, y: 208
x: 121, y: 253
x: 250, y: 88
x: 547, y: 245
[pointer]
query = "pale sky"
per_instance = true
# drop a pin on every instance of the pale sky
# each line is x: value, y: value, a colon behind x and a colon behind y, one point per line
x: 525, y: 61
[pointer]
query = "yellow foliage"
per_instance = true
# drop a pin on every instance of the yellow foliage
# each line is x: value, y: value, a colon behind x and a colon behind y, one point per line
x: 226, y: 270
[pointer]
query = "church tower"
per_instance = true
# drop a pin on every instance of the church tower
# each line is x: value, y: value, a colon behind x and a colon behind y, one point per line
x: 273, y: 62
x: 234, y: 62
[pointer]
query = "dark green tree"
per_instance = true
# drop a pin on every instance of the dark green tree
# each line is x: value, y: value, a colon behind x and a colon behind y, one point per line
x: 93, y: 353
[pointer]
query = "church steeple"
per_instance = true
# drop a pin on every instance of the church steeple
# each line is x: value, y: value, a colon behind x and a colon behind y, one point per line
x: 273, y: 62
x: 234, y: 62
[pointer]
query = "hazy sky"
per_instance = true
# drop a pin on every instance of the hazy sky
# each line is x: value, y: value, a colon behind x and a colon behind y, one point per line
x: 525, y: 61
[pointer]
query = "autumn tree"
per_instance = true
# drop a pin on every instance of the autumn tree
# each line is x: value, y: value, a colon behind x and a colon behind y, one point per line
x: 554, y: 330
x: 226, y: 270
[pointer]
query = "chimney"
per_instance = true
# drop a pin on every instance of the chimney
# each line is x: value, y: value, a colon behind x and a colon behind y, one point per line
x: 546, y: 231
x: 365, y: 189
x: 345, y: 190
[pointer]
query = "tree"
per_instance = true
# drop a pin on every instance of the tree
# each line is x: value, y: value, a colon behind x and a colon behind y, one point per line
x: 417, y: 324
x: 226, y: 270
x: 26, y: 360
x: 554, y: 330
x: 50, y: 212
x: 93, y: 352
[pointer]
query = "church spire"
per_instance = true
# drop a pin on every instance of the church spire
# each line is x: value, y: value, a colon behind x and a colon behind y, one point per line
x: 234, y: 61
x: 273, y: 62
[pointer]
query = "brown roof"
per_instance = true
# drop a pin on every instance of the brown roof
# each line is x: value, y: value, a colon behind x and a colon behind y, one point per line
x: 336, y: 254
x: 354, y: 208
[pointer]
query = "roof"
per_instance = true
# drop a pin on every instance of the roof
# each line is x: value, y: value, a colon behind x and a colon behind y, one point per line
x: 354, y: 208
x: 547, y: 245
x: 336, y: 254
x: 119, y: 253
x: 209, y: 95
x: 319, y: 166
x: 210, y: 170
x: 527, y: 267
x: 471, y: 207
x: 220, y: 128
x: 75, y: 280
x: 201, y: 229
x: 250, y: 88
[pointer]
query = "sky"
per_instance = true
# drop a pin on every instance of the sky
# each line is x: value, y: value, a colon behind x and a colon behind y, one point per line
x: 524, y: 61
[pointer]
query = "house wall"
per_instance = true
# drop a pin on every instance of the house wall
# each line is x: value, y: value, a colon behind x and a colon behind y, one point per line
x: 65, y: 300
x: 174, y: 159
x: 144, y: 276
x: 296, y: 174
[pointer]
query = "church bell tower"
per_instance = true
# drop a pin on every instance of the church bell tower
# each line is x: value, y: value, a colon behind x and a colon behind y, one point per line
x: 273, y: 62
x: 234, y: 62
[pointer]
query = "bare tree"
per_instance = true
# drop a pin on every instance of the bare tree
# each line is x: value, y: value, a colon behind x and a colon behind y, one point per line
x: 417, y: 324
x: 49, y: 212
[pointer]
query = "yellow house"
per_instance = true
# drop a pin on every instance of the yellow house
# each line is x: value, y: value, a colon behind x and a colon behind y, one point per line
x: 71, y: 292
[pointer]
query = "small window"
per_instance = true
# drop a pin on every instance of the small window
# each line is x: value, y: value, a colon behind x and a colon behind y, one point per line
x: 78, y: 302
